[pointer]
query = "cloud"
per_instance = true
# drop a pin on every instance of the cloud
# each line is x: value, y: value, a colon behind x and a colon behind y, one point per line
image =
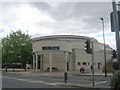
x: 40, y: 5
x: 22, y: 16
x: 89, y: 13
x: 55, y: 18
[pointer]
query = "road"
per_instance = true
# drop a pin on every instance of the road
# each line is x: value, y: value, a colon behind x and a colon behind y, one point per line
x: 11, y: 80
x: 100, y: 81
x: 18, y: 81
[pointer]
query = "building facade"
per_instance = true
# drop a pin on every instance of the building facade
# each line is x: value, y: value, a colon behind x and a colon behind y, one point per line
x: 67, y: 53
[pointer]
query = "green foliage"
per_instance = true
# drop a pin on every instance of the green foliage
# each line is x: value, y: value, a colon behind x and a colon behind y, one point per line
x: 17, y: 48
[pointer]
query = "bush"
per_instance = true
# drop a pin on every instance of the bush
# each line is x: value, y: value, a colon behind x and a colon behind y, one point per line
x: 108, y: 71
x: 12, y: 65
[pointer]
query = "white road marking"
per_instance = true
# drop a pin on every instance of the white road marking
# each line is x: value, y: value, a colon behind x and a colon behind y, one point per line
x: 42, y: 82
x: 33, y: 81
x: 99, y: 82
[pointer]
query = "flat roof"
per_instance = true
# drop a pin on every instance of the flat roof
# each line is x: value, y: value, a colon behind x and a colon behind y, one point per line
x: 63, y: 37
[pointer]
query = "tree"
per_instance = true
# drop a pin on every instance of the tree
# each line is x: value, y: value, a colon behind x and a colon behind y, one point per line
x: 17, y: 48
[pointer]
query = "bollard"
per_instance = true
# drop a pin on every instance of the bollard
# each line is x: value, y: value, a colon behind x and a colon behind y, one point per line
x: 65, y: 77
x: 6, y: 69
x: 113, y: 72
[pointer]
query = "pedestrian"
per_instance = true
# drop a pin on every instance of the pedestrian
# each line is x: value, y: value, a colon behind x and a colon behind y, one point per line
x: 91, y: 67
x: 80, y: 69
x: 83, y: 69
x: 115, y: 80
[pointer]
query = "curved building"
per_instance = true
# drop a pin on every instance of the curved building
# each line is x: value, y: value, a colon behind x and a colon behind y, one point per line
x: 66, y: 53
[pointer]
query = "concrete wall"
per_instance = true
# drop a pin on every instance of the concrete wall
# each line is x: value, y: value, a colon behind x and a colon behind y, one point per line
x: 64, y: 45
x: 58, y: 60
x: 76, y: 53
x: 81, y: 56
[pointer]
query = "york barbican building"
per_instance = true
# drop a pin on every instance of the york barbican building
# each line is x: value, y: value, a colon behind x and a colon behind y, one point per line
x: 67, y: 53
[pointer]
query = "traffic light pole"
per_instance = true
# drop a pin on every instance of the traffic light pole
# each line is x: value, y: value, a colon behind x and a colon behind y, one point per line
x: 115, y: 15
x: 90, y: 51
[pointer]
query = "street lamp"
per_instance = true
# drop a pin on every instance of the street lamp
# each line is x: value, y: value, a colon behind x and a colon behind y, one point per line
x: 104, y: 46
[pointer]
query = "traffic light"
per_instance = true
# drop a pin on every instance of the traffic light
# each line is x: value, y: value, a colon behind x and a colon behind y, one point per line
x: 87, y: 47
x: 112, y: 21
x: 114, y: 54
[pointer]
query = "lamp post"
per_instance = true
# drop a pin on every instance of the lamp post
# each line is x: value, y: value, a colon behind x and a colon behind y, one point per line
x: 104, y: 46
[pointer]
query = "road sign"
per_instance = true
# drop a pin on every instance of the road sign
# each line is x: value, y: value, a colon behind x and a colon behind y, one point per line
x: 112, y: 21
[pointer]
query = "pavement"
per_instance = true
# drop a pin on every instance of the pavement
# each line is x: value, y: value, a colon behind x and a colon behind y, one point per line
x: 97, y: 72
x: 60, y: 74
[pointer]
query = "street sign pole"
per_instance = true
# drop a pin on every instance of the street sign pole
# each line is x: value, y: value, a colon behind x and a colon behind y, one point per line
x: 115, y: 18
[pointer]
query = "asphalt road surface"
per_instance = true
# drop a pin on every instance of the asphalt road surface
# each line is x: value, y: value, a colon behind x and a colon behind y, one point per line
x: 20, y: 82
x: 10, y: 80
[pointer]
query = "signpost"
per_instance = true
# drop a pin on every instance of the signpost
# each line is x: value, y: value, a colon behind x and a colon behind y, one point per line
x: 112, y: 21
x: 116, y: 25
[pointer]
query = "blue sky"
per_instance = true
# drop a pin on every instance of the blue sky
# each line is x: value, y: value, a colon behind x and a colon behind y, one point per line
x: 2, y: 30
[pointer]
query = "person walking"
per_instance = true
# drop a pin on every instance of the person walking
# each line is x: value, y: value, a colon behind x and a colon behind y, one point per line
x: 80, y: 69
x: 115, y: 80
x: 91, y: 67
x: 83, y: 69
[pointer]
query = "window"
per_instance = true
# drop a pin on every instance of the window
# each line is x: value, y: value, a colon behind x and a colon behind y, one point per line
x: 50, y: 48
x: 78, y: 63
x: 43, y: 48
x: 83, y: 63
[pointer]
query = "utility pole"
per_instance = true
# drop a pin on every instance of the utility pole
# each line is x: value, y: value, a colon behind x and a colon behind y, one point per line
x: 115, y: 18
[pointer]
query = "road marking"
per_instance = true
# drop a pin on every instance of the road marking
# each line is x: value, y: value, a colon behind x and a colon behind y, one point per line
x: 43, y: 82
x: 99, y: 82
x: 33, y: 81
x: 81, y: 80
x: 9, y: 77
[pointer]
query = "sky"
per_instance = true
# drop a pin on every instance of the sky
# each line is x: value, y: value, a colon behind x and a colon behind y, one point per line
x: 57, y: 18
